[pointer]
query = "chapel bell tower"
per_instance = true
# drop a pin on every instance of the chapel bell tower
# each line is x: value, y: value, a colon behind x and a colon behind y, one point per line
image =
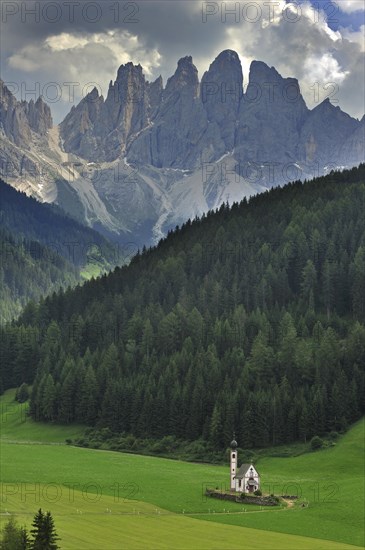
x: 234, y: 446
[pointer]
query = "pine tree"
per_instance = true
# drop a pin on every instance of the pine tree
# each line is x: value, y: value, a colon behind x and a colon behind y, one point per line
x: 48, y: 399
x: 358, y: 286
x: 37, y: 531
x: 308, y: 284
x: 22, y: 393
x: 50, y: 535
x: 14, y: 537
x: 66, y: 409
x: 87, y: 409
x: 304, y: 423
x: 216, y: 428
x: 24, y: 539
x: 44, y: 535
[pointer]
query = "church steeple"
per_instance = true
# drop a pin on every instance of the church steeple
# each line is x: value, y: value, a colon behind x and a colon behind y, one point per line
x: 233, y: 454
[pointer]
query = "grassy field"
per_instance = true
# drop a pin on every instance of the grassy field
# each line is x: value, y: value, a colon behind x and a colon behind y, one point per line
x: 107, y: 524
x: 16, y: 426
x: 80, y: 485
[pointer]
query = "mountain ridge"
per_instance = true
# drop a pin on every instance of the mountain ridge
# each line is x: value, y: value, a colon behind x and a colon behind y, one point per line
x: 148, y: 156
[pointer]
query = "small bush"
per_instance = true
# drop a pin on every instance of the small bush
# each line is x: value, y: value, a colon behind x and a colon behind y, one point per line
x: 316, y: 443
x: 258, y: 493
x: 333, y: 435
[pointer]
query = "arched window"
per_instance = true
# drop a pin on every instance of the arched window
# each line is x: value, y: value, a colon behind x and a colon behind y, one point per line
x: 233, y: 455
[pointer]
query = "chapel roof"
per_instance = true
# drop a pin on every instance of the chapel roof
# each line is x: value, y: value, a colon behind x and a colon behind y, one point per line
x: 242, y: 471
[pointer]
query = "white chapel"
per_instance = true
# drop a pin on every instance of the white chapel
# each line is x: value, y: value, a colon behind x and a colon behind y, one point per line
x: 244, y: 479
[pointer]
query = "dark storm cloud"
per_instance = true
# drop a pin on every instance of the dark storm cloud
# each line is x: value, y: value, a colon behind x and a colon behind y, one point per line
x: 86, y: 42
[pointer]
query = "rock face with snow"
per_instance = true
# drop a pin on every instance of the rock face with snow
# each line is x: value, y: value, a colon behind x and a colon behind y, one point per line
x: 149, y: 156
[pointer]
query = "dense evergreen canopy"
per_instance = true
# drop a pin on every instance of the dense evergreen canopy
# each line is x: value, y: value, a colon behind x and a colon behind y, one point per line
x: 43, y: 249
x: 28, y: 271
x: 250, y: 319
x: 51, y: 226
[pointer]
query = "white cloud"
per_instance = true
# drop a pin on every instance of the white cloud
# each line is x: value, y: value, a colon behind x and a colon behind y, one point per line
x: 86, y: 60
x: 327, y: 63
x: 349, y: 6
x: 65, y: 41
x: 324, y: 69
x: 355, y: 36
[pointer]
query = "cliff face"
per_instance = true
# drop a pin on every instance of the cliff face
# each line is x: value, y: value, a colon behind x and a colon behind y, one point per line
x: 324, y: 134
x: 188, y: 122
x: 221, y: 95
x: 101, y: 130
x: 19, y: 118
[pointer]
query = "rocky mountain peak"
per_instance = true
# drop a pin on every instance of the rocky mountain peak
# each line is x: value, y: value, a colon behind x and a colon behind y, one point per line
x: 327, y: 109
x: 187, y: 121
x: 260, y: 71
x: 221, y: 92
x: 325, y: 128
x: 225, y: 59
x: 39, y: 116
x: 19, y: 118
x: 154, y: 90
x: 185, y: 77
x: 185, y: 62
x: 129, y: 85
x: 94, y: 94
x: 129, y: 69
x: 226, y: 68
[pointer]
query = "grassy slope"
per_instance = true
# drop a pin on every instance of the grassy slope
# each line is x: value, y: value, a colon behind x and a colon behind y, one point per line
x: 83, y: 524
x: 177, y: 486
x: 16, y: 426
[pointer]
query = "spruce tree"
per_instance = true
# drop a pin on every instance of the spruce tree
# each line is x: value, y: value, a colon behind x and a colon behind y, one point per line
x: 14, y: 537
x: 37, y: 531
x: 44, y: 535
x: 50, y: 534
x: 22, y: 393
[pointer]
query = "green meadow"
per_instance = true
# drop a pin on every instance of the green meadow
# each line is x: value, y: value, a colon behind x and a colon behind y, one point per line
x: 103, y: 499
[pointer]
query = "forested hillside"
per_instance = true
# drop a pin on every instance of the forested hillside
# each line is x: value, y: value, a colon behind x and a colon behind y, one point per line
x: 42, y: 249
x: 50, y: 225
x: 248, y: 319
x: 29, y: 270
